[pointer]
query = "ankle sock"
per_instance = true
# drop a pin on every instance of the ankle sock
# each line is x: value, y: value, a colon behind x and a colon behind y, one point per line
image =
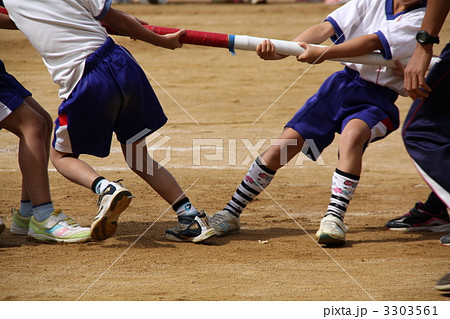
x: 26, y: 208
x: 43, y: 211
x: 99, y: 185
x: 184, y: 207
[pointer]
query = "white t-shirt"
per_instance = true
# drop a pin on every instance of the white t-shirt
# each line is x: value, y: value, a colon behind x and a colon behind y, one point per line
x: 396, y: 32
x: 64, y: 32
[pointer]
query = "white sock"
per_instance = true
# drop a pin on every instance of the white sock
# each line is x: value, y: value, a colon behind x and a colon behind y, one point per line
x: 101, y: 186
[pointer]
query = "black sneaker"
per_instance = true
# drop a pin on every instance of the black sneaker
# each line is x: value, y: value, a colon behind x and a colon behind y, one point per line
x: 192, y: 228
x: 443, y: 284
x: 419, y: 219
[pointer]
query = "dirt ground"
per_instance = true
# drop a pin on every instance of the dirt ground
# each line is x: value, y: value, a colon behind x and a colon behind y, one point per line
x: 222, y: 110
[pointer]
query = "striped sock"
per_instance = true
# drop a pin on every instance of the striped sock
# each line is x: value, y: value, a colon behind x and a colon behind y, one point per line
x: 258, y: 178
x: 342, y: 190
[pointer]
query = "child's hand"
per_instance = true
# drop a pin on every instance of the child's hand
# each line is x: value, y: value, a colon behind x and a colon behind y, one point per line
x: 312, y: 54
x: 266, y: 51
x: 173, y: 40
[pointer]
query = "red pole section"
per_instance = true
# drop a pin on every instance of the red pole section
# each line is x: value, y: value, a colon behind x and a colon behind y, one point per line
x: 195, y: 37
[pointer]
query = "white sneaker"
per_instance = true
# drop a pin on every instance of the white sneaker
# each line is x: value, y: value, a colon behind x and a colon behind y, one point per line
x: 58, y: 228
x: 224, y: 222
x: 111, y: 203
x: 332, y: 231
x: 2, y: 225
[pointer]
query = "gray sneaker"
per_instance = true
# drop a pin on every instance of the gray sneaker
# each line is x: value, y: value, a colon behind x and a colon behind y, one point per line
x: 443, y: 284
x: 224, y: 222
x: 445, y: 240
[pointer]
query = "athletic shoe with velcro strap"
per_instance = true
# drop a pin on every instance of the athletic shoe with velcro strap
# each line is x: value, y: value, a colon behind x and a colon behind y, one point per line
x: 20, y: 224
x: 332, y: 231
x: 418, y: 219
x: 111, y: 203
x: 192, y: 228
x: 225, y: 222
x: 58, y: 228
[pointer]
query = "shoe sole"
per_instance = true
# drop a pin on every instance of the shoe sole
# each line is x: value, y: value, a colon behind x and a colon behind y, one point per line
x: 326, y: 239
x: 443, y: 287
x: 434, y: 229
x: 18, y: 231
x: 202, y: 237
x: 52, y: 240
x: 106, y: 226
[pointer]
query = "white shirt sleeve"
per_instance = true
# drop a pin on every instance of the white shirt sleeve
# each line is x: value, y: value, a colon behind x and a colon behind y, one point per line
x: 97, y: 7
x: 395, y: 35
x: 347, y: 18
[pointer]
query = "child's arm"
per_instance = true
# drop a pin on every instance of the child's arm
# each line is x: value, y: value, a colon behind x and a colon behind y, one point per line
x: 355, y: 47
x: 127, y: 25
x: 6, y: 22
x: 315, y: 35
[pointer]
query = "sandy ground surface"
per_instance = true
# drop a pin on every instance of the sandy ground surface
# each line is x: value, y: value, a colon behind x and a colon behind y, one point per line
x: 237, y: 103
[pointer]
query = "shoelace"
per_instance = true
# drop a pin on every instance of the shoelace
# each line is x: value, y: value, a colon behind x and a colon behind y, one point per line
x: 67, y: 219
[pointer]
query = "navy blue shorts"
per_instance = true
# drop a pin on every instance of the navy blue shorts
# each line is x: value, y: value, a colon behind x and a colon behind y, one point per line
x: 342, y: 97
x: 426, y: 131
x: 113, y: 95
x: 12, y: 93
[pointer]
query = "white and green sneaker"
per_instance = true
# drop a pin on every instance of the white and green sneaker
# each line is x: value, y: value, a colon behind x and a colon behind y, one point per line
x: 20, y: 224
x: 58, y: 228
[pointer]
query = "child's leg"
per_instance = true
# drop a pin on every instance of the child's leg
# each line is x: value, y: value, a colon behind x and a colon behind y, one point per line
x: 258, y: 177
x: 192, y: 225
x: 114, y: 197
x: 47, y: 224
x: 26, y: 205
x: 72, y: 168
x: 160, y: 179
x: 31, y: 128
x: 354, y: 139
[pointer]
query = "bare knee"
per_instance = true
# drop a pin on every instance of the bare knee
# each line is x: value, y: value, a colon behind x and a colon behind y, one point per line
x: 354, y: 138
x: 35, y: 128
